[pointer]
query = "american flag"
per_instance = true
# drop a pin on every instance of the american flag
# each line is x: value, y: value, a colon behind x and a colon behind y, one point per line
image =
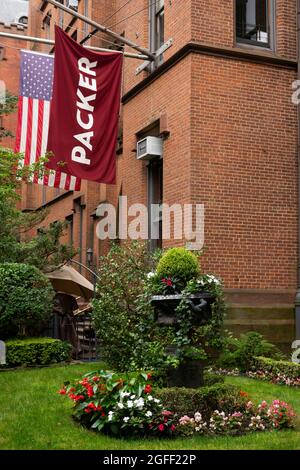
x: 36, y: 83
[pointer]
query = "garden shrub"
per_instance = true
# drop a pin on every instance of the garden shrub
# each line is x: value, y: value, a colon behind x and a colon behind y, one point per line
x: 26, y: 297
x: 188, y: 401
x: 280, y: 372
x: 180, y: 264
x: 240, y: 353
x: 210, y: 378
x: 36, y: 351
x: 122, y: 319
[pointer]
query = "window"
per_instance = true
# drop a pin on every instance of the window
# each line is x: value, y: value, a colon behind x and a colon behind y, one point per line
x: 157, y: 25
x: 254, y: 21
x: 72, y: 4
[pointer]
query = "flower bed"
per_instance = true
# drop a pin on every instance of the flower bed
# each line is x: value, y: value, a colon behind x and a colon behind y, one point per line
x: 128, y: 404
x: 269, y: 370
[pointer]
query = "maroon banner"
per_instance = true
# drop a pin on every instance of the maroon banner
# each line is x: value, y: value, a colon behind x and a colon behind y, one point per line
x: 85, y: 109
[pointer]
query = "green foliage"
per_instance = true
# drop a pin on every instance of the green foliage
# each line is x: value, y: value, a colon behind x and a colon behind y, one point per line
x: 122, y: 317
x: 44, y: 250
x: 188, y: 401
x: 285, y: 369
x: 212, y: 379
x: 240, y: 353
x: 36, y: 351
x: 178, y: 263
x: 25, y: 299
x: 8, y: 107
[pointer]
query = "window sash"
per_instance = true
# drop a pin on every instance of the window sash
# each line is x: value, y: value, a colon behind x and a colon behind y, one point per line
x: 261, y: 29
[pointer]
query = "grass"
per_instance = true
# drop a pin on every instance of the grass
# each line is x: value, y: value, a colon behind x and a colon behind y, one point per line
x: 34, y: 416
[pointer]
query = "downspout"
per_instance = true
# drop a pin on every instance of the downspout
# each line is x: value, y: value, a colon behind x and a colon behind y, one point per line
x: 297, y: 303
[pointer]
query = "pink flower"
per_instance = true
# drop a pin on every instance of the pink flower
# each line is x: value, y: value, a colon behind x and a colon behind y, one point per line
x: 161, y: 427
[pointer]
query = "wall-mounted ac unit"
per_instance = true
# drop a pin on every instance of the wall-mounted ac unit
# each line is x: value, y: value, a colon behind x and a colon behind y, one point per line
x: 149, y: 147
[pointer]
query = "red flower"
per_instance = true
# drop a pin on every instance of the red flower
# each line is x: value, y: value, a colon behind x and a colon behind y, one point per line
x: 96, y: 379
x: 62, y: 391
x: 87, y: 410
x: 102, y: 414
x: 149, y: 376
x: 161, y: 427
x: 169, y: 282
x: 148, y: 389
x: 173, y: 427
x: 90, y: 392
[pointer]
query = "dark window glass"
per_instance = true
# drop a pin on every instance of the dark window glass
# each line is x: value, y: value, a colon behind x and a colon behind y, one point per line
x: 252, y: 22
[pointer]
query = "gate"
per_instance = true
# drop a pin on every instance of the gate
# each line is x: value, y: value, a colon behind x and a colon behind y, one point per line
x: 88, y: 345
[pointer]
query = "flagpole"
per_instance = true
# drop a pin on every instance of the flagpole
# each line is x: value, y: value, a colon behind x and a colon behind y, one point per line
x: 103, y: 29
x: 50, y: 42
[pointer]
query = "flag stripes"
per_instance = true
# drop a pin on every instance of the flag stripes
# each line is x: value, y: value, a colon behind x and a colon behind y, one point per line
x: 31, y: 139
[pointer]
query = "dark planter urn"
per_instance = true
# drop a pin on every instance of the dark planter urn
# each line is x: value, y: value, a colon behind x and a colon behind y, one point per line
x: 189, y: 373
x: 165, y: 308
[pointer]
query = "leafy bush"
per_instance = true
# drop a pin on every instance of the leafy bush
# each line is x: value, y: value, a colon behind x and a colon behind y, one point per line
x: 36, y: 351
x: 180, y: 264
x: 26, y: 299
x: 123, y: 320
x: 188, y: 401
x: 280, y: 372
x: 240, y: 353
x: 210, y: 378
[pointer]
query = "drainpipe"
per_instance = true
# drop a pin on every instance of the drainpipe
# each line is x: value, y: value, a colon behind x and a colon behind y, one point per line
x: 297, y: 303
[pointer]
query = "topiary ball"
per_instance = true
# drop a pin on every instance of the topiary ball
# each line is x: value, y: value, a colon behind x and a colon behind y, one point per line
x: 178, y: 263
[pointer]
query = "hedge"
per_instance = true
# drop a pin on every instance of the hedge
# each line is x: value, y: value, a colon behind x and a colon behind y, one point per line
x: 36, y: 351
x: 188, y: 401
x: 275, y: 368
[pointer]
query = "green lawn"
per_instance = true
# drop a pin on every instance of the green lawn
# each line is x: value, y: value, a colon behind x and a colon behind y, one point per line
x: 34, y: 416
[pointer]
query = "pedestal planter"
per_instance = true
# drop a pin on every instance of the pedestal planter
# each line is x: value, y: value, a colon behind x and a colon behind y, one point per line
x: 189, y: 373
x: 165, y: 308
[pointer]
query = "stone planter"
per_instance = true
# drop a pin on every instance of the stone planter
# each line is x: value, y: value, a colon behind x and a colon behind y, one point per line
x: 165, y: 308
x: 189, y: 373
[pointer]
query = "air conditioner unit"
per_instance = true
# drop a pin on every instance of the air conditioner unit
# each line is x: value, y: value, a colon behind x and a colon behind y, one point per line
x: 149, y: 147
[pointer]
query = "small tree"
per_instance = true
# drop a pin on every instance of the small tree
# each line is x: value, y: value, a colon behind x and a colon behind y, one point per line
x: 43, y: 250
x: 26, y: 297
x: 9, y: 106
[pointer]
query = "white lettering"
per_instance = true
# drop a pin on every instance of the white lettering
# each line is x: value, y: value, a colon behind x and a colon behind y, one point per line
x: 79, y: 156
x: 87, y: 82
x: 85, y: 125
x: 85, y: 139
x: 85, y: 66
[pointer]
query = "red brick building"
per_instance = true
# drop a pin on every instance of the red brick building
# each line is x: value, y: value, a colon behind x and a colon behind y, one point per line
x: 220, y: 98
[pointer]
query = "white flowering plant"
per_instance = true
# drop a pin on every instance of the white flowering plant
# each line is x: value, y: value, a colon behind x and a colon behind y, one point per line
x: 122, y: 404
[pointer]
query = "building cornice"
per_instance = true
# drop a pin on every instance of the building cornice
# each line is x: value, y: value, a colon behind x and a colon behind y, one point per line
x: 232, y: 53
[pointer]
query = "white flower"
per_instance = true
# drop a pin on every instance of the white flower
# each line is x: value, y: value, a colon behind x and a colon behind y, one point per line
x: 124, y: 394
x: 130, y: 404
x: 139, y: 403
x: 120, y: 405
x: 132, y: 397
x: 148, y: 414
x: 150, y: 397
x: 126, y: 419
x: 150, y: 275
x: 110, y: 416
x: 198, y: 417
x: 156, y: 400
